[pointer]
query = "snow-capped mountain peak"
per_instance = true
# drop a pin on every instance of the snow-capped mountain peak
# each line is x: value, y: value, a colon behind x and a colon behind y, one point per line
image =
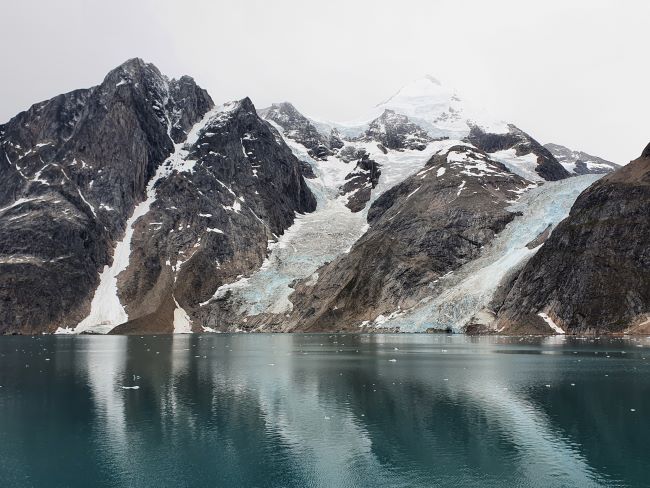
x: 429, y: 103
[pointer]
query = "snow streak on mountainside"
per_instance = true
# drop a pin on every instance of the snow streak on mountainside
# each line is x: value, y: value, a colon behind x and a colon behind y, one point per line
x: 106, y: 310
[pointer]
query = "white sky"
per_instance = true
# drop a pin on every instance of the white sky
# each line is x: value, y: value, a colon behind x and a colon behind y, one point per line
x: 571, y: 72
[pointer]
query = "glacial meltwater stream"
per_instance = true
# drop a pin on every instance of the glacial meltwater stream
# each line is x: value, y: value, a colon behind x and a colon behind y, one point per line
x: 316, y: 410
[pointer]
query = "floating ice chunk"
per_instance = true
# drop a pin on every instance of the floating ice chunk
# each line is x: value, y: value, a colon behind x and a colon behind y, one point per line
x: 64, y: 330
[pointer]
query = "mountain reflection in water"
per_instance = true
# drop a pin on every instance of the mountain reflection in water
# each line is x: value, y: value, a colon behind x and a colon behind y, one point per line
x: 323, y: 411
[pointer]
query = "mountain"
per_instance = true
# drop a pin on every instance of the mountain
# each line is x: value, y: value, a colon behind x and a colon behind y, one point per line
x: 298, y: 127
x: 495, y: 196
x: 580, y: 163
x: 440, y: 113
x: 436, y: 108
x: 396, y: 131
x: 427, y: 226
x: 593, y: 273
x: 520, y: 152
x: 235, y: 188
x: 139, y: 206
x: 72, y: 169
x: 78, y: 172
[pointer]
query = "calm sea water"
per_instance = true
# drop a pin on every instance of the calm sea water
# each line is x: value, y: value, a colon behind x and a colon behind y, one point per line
x: 323, y: 411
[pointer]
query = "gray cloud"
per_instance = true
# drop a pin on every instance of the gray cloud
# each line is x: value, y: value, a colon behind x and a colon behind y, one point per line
x: 568, y: 72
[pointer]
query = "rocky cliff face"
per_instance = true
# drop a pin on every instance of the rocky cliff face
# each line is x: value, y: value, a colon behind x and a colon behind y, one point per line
x: 361, y: 180
x: 299, y: 128
x: 396, y: 131
x: 73, y: 168
x: 510, y: 145
x: 593, y: 273
x: 580, y: 163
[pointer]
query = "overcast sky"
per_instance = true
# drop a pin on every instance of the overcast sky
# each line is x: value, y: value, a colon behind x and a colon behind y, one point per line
x: 571, y: 72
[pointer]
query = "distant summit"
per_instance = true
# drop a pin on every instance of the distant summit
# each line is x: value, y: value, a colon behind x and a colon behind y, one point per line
x: 580, y: 163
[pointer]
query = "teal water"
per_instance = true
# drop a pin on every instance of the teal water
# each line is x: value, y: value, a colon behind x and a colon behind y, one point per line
x: 323, y: 411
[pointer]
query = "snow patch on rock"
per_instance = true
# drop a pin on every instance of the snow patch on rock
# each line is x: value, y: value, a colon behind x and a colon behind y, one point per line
x: 551, y: 323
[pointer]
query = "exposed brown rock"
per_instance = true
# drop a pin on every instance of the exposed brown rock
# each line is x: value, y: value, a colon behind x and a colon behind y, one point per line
x: 593, y: 273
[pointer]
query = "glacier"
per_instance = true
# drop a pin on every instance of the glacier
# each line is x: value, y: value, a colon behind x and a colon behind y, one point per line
x: 470, y: 288
x: 317, y: 238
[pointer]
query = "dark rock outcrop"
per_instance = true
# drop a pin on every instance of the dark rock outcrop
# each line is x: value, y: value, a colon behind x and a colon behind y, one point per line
x: 299, y: 128
x: 335, y: 140
x: 71, y: 171
x: 547, y: 166
x: 396, y: 131
x: 360, y: 181
x: 580, y: 163
x: 593, y: 272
